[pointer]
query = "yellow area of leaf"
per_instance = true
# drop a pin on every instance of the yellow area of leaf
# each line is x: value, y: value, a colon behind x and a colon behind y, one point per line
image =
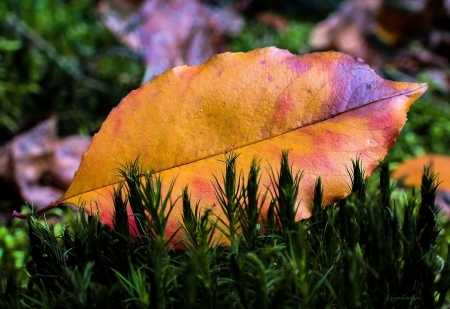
x: 325, y: 108
x: 410, y: 172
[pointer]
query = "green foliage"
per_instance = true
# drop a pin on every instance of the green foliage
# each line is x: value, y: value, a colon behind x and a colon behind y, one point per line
x: 13, y: 245
x: 56, y: 56
x: 370, y: 250
x: 255, y: 34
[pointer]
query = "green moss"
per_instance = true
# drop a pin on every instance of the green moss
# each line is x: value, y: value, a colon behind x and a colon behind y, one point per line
x: 56, y: 56
x: 13, y: 246
x: 370, y: 250
x: 256, y: 34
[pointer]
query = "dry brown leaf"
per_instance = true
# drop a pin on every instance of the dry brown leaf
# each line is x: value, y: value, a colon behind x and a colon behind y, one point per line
x: 347, y: 30
x: 363, y: 28
x: 168, y: 33
x: 39, y: 164
x: 276, y: 21
x: 443, y: 202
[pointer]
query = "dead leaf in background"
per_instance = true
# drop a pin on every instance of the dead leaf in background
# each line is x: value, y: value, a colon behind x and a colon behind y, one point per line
x: 409, y: 174
x: 347, y: 30
x: 168, y: 33
x: 390, y: 21
x: 379, y: 32
x: 274, y: 20
x: 39, y: 164
x: 442, y: 202
x: 397, y: 20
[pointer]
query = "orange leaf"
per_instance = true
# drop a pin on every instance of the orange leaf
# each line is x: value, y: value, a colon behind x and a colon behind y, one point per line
x: 410, y: 172
x: 325, y: 108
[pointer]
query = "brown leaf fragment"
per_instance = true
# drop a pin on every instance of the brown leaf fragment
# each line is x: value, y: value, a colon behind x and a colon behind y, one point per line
x: 442, y: 202
x: 272, y: 19
x: 347, y: 30
x: 168, y: 33
x: 39, y: 165
x: 411, y: 37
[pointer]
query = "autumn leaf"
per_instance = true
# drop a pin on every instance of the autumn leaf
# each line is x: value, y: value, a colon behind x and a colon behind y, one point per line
x: 324, y: 108
x: 39, y: 164
x: 358, y: 27
x: 410, y: 173
x: 167, y: 33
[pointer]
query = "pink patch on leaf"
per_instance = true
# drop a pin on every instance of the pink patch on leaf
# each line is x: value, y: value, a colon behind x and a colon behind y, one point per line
x: 117, y: 125
x: 300, y: 66
x: 283, y: 107
x: 201, y: 186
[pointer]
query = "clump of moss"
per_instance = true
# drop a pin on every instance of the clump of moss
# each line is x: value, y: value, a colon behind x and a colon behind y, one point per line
x: 370, y: 250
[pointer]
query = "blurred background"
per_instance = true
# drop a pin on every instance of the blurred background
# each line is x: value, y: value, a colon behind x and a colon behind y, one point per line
x: 65, y: 64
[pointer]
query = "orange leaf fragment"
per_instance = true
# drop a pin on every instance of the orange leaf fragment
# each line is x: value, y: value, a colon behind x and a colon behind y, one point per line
x: 324, y: 108
x: 410, y: 173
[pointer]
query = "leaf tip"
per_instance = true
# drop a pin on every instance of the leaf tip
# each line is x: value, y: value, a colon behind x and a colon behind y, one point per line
x: 422, y: 88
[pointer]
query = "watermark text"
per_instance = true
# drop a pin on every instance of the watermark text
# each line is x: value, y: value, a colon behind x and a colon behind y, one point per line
x: 393, y: 299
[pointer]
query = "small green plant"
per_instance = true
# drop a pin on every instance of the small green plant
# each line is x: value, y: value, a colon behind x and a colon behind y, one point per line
x: 370, y: 250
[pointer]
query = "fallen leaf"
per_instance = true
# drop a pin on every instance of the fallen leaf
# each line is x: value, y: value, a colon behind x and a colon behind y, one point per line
x: 168, y: 33
x: 67, y: 157
x: 442, y: 202
x: 40, y: 165
x: 324, y: 108
x: 410, y: 173
x: 418, y: 43
x: 348, y: 30
x: 277, y: 21
x: 395, y: 22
